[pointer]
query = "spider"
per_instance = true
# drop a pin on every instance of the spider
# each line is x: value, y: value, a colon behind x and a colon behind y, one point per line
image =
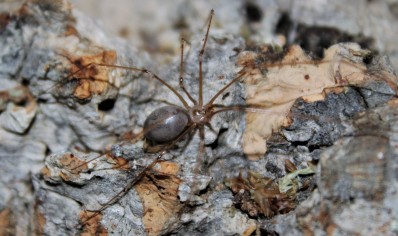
x: 167, y: 126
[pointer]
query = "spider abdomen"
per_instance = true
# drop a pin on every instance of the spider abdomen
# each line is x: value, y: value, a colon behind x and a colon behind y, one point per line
x: 165, y: 124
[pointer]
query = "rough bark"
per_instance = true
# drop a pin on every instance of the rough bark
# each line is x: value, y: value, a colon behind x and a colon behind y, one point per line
x: 336, y: 112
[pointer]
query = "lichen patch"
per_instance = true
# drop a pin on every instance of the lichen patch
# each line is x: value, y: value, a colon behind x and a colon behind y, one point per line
x: 92, y: 80
x: 92, y: 225
x: 159, y: 192
x: 6, y: 224
x: 262, y: 196
x: 71, y: 162
x: 40, y: 221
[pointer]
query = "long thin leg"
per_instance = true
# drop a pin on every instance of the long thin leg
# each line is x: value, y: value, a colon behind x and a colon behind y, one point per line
x: 265, y: 65
x: 136, y: 137
x: 118, y: 196
x: 259, y: 110
x: 143, y: 70
x: 237, y: 78
x: 252, y: 109
x: 93, y: 159
x: 181, y: 79
x: 202, y: 51
x: 131, y: 184
x: 96, y: 158
x: 200, y: 155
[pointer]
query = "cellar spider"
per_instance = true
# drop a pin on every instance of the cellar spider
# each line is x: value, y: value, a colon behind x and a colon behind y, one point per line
x: 169, y: 125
